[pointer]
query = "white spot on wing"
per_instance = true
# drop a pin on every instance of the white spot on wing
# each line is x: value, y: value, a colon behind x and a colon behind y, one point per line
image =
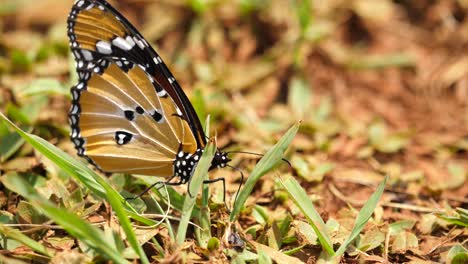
x: 157, y: 60
x: 74, y: 110
x: 73, y: 119
x: 123, y: 44
x: 162, y: 93
x: 77, y: 54
x: 139, y: 42
x: 104, y: 47
x: 130, y: 41
x: 88, y: 56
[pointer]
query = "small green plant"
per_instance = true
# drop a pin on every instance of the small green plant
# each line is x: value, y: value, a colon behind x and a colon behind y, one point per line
x: 298, y: 194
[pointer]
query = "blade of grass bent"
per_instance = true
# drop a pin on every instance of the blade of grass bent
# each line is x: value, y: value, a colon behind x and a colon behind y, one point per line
x: 114, y: 199
x: 93, y: 181
x: 25, y: 240
x: 268, y: 161
x: 363, y: 216
x: 203, y: 234
x: 298, y: 194
x: 78, y: 170
x: 194, y: 185
x: 74, y: 225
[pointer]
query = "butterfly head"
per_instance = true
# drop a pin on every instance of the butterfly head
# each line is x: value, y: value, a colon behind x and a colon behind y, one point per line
x: 220, y: 160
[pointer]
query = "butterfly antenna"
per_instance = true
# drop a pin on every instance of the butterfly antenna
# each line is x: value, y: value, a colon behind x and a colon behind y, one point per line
x: 258, y: 154
x: 241, y: 183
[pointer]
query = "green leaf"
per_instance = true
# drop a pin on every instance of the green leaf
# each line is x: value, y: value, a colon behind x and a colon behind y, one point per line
x: 11, y: 142
x: 404, y: 241
x: 304, y: 14
x: 194, y: 185
x: 300, y: 198
x: 459, y: 218
x: 77, y: 169
x: 43, y: 86
x: 307, y: 231
x: 299, y: 97
x: 204, y: 233
x: 115, y: 200
x: 263, y: 257
x: 268, y: 161
x: 25, y: 240
x: 20, y: 60
x: 384, y: 142
x: 83, y: 231
x: 457, y: 255
x: 89, y: 178
x: 260, y: 214
x: 213, y: 244
x: 363, y: 216
x: 400, y: 226
x: 371, y: 239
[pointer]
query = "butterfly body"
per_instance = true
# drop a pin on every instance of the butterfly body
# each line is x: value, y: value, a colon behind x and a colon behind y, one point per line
x: 129, y: 114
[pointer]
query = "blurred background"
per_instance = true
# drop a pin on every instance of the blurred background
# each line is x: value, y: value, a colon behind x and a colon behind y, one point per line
x: 381, y: 87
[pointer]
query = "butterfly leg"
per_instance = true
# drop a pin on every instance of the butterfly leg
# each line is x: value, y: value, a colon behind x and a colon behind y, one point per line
x: 224, y: 190
x: 151, y: 187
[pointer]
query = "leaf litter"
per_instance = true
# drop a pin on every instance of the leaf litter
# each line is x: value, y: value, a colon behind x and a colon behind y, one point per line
x: 381, y: 87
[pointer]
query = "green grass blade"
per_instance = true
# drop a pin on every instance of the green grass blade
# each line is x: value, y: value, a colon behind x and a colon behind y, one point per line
x: 269, y: 161
x: 75, y: 226
x: 114, y: 199
x: 25, y: 240
x: 363, y: 216
x: 203, y: 234
x: 90, y: 179
x: 75, y: 168
x: 298, y: 194
x: 194, y: 185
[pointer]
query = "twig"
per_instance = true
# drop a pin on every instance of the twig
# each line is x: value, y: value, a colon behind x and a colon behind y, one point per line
x: 412, y: 207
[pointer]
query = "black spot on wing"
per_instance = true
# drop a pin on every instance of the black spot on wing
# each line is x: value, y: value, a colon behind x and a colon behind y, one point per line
x: 140, y: 110
x: 158, y: 117
x: 129, y: 115
x: 122, y: 137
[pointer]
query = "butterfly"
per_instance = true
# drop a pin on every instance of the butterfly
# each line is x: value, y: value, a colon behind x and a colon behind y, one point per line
x: 128, y: 113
